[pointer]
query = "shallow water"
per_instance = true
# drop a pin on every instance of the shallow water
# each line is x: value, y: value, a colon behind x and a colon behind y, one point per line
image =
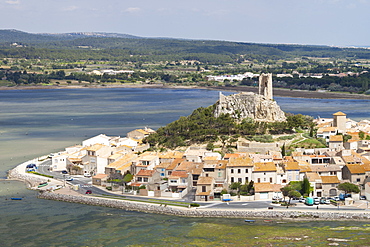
x: 37, y: 122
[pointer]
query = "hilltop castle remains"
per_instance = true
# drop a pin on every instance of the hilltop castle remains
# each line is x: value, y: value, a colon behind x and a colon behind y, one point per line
x: 259, y: 107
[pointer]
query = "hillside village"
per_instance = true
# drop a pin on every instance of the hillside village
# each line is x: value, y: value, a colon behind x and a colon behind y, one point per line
x: 206, y: 175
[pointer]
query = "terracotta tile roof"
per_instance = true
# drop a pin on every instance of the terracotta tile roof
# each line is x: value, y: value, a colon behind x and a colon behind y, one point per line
x: 355, y: 168
x: 174, y: 164
x: 145, y: 173
x: 330, y: 180
x: 100, y: 176
x: 313, y: 177
x: 326, y: 129
x: 209, y: 158
x: 171, y: 155
x: 197, y: 170
x: 266, y: 187
x: 292, y: 165
x: 205, y: 180
x: 349, y: 159
x: 122, y: 161
x: 264, y: 167
x: 199, y: 193
x: 339, y: 114
x: 179, y: 174
x: 305, y: 168
x: 185, y: 166
x: 94, y: 147
x: 163, y: 165
x: 217, y: 164
x: 336, y: 138
x: 239, y: 161
x: 235, y: 155
x: 366, y: 167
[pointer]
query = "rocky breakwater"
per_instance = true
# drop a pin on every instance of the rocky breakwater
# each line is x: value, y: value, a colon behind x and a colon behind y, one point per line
x: 31, y: 180
x: 205, y: 212
x: 249, y: 105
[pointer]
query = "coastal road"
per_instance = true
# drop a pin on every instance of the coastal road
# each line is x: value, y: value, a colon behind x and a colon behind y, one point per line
x: 85, y: 184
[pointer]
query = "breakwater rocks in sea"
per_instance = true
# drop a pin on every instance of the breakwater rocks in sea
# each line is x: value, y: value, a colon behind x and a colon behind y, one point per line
x: 204, y: 212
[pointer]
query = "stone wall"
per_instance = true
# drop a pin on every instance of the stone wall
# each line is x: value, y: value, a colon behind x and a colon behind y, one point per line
x: 205, y: 212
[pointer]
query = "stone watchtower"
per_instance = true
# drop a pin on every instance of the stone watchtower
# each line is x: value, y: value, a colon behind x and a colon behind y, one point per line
x: 265, y: 85
x: 339, y: 121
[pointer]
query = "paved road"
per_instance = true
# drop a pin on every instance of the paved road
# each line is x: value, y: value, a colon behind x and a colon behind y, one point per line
x: 86, y: 184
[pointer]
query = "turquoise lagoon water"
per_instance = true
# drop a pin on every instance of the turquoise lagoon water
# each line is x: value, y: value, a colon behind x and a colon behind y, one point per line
x: 37, y: 122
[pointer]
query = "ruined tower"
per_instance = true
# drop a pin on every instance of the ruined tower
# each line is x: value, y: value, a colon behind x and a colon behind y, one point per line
x: 265, y: 85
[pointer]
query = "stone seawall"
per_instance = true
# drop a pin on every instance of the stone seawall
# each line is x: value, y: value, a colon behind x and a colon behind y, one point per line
x: 205, y: 212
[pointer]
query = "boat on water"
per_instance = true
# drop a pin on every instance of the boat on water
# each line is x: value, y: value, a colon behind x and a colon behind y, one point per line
x: 42, y: 184
x: 250, y: 221
x: 16, y: 198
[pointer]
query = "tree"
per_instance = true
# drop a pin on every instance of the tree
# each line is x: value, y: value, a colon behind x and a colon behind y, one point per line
x: 305, y: 187
x: 348, y: 188
x: 361, y: 134
x: 236, y: 186
x: 290, y: 192
x: 283, y: 150
x: 293, y: 194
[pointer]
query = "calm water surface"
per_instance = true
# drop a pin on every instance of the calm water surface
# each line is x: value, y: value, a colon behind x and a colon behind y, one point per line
x: 37, y: 122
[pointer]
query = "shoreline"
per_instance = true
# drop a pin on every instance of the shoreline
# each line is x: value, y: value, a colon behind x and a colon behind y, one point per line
x: 68, y: 195
x: 257, y: 214
x: 279, y: 92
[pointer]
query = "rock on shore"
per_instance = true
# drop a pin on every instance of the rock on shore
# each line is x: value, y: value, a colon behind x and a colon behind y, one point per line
x: 204, y: 212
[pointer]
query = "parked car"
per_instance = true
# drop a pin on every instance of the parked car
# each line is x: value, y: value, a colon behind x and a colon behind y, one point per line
x: 336, y: 198
x: 64, y: 172
x: 88, y: 192
x: 362, y: 197
x: 316, y: 200
x: 301, y: 199
x: 69, y: 179
x: 31, y: 166
x: 87, y: 175
x: 324, y: 200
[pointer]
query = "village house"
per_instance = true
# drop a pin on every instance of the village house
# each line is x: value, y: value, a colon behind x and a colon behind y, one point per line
x: 264, y: 172
x: 99, y: 179
x: 179, y: 181
x: 264, y: 191
x: 336, y: 142
x: 96, y: 158
x: 174, y: 164
x: 146, y: 161
x: 316, y: 183
x: 99, y: 139
x: 118, y: 168
x: 354, y: 173
x: 140, y: 133
x: 204, y: 190
x: 239, y: 169
x: 195, y: 154
x: 292, y: 172
x: 148, y: 178
x: 329, y: 185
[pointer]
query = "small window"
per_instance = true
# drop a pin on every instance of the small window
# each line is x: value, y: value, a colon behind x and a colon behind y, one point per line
x: 239, y: 170
x: 232, y: 171
x: 232, y: 179
x: 246, y: 170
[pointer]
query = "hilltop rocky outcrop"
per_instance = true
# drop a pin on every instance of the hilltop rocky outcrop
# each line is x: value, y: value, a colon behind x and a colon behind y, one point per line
x: 249, y: 105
